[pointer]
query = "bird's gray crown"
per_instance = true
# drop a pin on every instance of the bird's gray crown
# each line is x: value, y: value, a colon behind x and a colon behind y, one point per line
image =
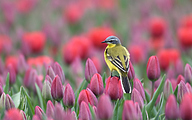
x: 112, y: 40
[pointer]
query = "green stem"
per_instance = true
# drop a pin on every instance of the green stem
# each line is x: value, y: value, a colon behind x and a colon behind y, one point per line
x: 152, y: 90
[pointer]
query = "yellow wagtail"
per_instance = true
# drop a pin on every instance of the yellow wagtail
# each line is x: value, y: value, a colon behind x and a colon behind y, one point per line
x: 117, y: 58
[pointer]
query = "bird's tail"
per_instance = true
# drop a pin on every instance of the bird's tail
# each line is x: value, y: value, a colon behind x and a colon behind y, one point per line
x: 126, y: 86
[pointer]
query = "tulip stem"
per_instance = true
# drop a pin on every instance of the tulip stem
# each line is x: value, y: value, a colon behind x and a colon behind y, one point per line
x: 152, y: 90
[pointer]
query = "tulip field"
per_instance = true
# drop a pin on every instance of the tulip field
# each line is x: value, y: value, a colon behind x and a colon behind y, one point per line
x: 52, y: 63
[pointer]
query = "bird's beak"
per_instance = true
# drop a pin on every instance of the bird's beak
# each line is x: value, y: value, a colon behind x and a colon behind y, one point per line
x: 103, y: 42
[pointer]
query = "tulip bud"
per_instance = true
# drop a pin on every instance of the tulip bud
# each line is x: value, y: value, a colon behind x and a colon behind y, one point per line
x: 48, y: 78
x: 173, y: 83
x: 84, y: 112
x: 59, y: 71
x: 113, y: 88
x: 96, y: 84
x: 9, y: 103
x: 179, y: 67
x: 57, y: 89
x: 30, y: 77
x: 104, y: 108
x: 13, y: 114
x: 68, y: 97
x: 166, y: 89
x: 50, y: 109
x: 58, y: 112
x: 23, y: 115
x: 50, y: 72
x: 88, y: 97
x: 39, y: 112
x: 189, y: 88
x: 22, y: 65
x: 2, y: 101
x: 182, y: 89
x: 180, y: 78
x: 153, y: 68
x: 90, y: 69
x: 35, y: 117
x: 129, y: 111
x: 74, y: 116
x: 12, y: 74
x: 188, y: 73
x: 131, y: 72
x: 1, y: 90
x: 186, y: 107
x: 138, y: 85
x: 171, y: 109
x: 136, y: 97
x: 46, y: 91
x: 138, y: 110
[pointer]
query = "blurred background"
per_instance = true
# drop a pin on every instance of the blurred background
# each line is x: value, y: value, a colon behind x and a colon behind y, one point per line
x: 70, y: 31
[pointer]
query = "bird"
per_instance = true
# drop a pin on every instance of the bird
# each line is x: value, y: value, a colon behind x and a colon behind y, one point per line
x: 117, y: 59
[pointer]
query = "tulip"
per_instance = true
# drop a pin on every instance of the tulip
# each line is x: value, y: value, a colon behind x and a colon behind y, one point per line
x: 129, y: 111
x: 84, y: 112
x: 12, y: 74
x: 48, y: 78
x: 13, y: 114
x: 179, y: 67
x: 30, y: 77
x: 153, y: 68
x: 50, y: 72
x: 138, y: 85
x: 77, y: 67
x: 171, y: 109
x: 136, y: 97
x: 113, y: 88
x: 88, y: 97
x: 187, y: 21
x: 50, y: 109
x: 74, y: 116
x: 182, y: 89
x: 2, y: 101
x: 180, y: 78
x: 35, y: 117
x: 104, y: 107
x: 96, y: 84
x: 173, y: 83
x: 138, y: 110
x: 184, y: 36
x: 69, y: 96
x: 59, y: 71
x: 131, y: 72
x: 189, y: 88
x: 1, y: 66
x: 186, y: 107
x: 57, y: 89
x: 13, y: 60
x: 46, y: 91
x: 22, y: 64
x: 58, y: 112
x: 157, y: 27
x: 90, y: 69
x: 9, y: 103
x: 167, y: 90
x: 39, y: 112
x: 23, y: 115
x: 188, y: 73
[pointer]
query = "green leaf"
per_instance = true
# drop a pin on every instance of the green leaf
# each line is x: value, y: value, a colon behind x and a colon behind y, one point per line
x: 115, y: 111
x: 6, y: 88
x: 16, y: 99
x: 160, y: 108
x: 175, y: 92
x: 147, y: 96
x: 92, y: 112
x: 151, y: 104
x: 40, y: 97
x: 144, y: 113
x: 31, y: 108
x: 171, y: 88
x: 120, y: 109
x: 127, y: 96
x: 103, y: 78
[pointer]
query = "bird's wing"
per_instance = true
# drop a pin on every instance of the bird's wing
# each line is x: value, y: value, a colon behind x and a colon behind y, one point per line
x: 119, y: 57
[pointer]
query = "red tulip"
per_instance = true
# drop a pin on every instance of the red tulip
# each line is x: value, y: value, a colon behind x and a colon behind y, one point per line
x: 39, y: 112
x: 168, y: 57
x: 153, y: 68
x: 68, y: 97
x: 184, y: 36
x: 35, y: 41
x: 96, y: 84
x: 180, y: 78
x: 84, y: 112
x: 39, y: 61
x: 138, y: 85
x: 104, y: 107
x: 171, y: 109
x: 90, y: 69
x: 186, y: 107
x: 187, y: 22
x: 13, y: 114
x: 88, y: 97
x: 13, y: 60
x: 189, y: 88
x: 97, y: 35
x: 113, y: 88
x: 59, y: 71
x: 136, y: 97
x: 131, y: 72
x: 50, y: 109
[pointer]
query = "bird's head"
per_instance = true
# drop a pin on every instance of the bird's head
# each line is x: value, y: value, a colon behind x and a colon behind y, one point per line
x: 112, y: 40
